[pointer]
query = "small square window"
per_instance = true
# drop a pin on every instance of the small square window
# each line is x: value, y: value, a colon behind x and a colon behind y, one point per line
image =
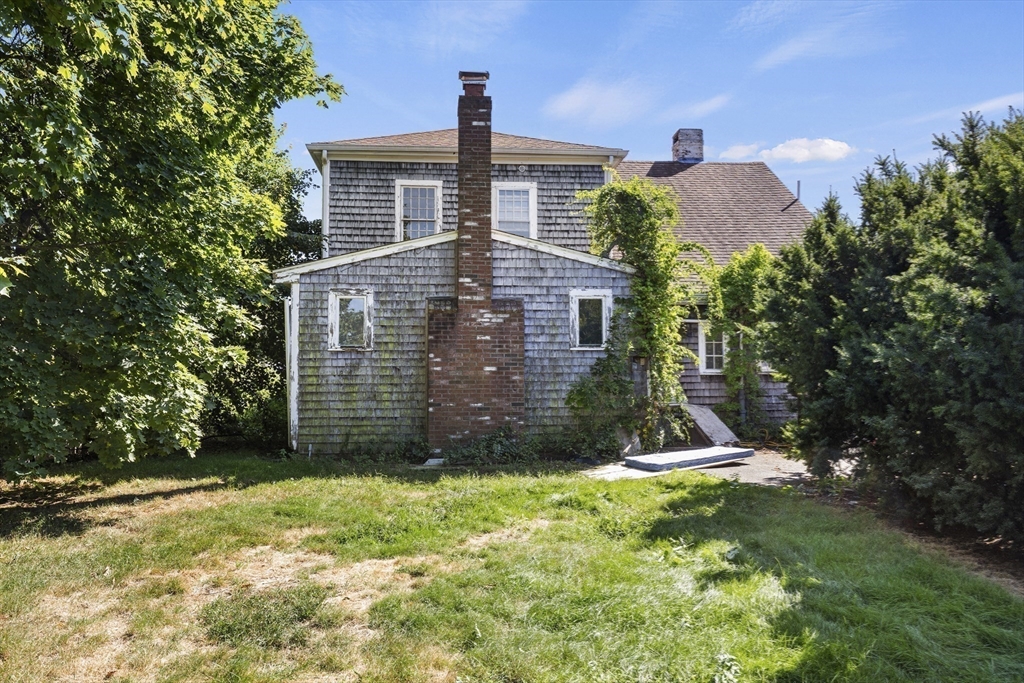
x: 589, y: 317
x: 348, y: 322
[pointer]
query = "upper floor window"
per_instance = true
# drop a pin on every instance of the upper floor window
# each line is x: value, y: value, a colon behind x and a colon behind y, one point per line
x: 711, y: 350
x: 590, y: 312
x: 515, y: 208
x: 417, y: 208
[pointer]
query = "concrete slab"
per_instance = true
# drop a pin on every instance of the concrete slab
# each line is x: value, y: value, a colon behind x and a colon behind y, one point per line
x: 688, y: 459
x: 711, y: 426
x: 766, y: 468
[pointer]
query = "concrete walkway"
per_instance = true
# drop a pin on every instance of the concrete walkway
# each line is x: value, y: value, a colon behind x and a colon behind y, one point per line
x: 767, y: 468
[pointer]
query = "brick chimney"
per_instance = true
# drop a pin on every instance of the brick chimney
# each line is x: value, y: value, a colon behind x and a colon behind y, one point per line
x: 475, y: 349
x: 688, y: 145
x: 473, y: 283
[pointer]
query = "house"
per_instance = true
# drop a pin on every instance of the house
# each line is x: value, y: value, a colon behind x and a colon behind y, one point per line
x: 456, y: 293
x: 725, y: 207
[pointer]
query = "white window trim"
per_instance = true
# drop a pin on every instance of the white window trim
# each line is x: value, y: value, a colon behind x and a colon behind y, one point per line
x: 332, y: 318
x: 701, y: 326
x: 503, y: 185
x: 574, y: 316
x: 401, y: 183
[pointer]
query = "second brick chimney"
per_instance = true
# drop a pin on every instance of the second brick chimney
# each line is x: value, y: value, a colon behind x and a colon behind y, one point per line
x: 688, y: 145
x: 475, y: 349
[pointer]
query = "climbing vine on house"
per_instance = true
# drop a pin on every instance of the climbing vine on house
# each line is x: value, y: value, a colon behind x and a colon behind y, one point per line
x: 737, y: 296
x: 634, y: 218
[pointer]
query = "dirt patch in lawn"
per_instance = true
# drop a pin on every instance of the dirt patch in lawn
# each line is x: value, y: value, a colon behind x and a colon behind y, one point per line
x: 514, y: 533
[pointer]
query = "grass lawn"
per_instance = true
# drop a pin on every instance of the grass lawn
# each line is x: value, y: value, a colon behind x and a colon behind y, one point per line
x: 236, y: 568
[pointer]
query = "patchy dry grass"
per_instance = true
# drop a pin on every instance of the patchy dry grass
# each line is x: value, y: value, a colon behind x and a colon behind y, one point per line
x: 234, y: 568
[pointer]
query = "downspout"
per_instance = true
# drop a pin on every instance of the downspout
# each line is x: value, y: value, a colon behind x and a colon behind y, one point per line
x: 743, y: 388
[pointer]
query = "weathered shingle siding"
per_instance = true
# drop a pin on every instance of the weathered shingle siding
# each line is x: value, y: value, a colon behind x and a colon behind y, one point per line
x: 543, y: 282
x: 559, y: 218
x: 357, y: 400
x: 701, y: 390
x: 362, y: 200
x: 710, y: 390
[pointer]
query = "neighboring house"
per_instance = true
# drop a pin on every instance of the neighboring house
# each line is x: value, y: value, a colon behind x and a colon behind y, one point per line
x: 456, y: 293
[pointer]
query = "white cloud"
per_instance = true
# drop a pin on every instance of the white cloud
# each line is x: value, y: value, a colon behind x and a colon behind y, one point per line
x: 737, y: 152
x: 817, y: 42
x: 996, y: 105
x: 448, y: 27
x: 834, y: 30
x: 696, y: 110
x: 799, y: 150
x: 601, y: 104
x: 763, y: 13
x: 436, y: 29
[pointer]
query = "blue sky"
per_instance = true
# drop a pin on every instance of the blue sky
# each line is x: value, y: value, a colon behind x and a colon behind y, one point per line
x: 816, y: 90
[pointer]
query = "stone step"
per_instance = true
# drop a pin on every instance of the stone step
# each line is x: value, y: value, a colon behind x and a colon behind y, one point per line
x: 696, y: 457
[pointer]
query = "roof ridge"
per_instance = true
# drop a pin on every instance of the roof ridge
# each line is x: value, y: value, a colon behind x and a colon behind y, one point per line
x: 447, y: 138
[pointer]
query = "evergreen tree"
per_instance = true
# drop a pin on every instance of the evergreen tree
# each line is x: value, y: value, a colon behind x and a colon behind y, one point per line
x: 903, y: 336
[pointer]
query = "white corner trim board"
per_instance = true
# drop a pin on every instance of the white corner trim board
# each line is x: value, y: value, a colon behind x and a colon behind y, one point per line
x: 291, y: 342
x: 292, y: 273
x: 325, y: 214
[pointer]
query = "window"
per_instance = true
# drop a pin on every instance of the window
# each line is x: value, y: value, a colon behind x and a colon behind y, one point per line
x: 349, y: 321
x: 417, y: 208
x: 711, y: 349
x: 515, y: 208
x: 590, y: 313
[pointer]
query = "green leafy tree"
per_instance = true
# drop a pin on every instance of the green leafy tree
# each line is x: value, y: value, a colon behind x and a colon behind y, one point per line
x: 737, y: 303
x: 247, y: 399
x: 132, y: 135
x: 904, y: 336
x: 634, y: 218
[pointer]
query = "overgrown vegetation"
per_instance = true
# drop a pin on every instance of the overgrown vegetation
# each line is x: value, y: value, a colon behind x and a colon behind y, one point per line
x: 137, y: 165
x: 737, y: 296
x: 634, y: 218
x: 903, y: 335
x: 513, y: 574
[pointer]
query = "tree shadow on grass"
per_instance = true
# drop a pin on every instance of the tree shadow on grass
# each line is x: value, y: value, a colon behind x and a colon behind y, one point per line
x: 862, y: 605
x: 57, y: 505
x: 54, y: 510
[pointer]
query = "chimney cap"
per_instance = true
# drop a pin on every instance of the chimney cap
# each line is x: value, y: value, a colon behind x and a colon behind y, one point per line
x: 474, y: 76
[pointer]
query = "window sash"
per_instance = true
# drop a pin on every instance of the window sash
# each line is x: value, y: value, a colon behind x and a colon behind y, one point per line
x: 419, y: 211
x: 590, y: 330
x: 514, y: 208
x: 514, y: 211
